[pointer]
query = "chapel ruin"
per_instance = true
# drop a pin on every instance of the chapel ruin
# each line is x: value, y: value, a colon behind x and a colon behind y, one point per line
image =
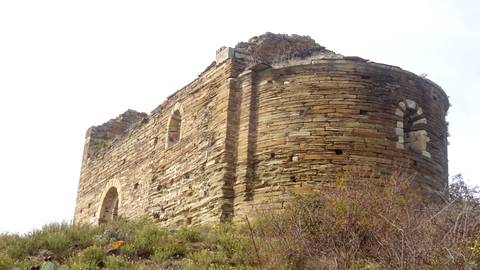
x: 270, y: 116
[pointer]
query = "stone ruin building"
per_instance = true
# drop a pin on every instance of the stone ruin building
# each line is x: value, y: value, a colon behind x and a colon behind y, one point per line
x: 273, y: 115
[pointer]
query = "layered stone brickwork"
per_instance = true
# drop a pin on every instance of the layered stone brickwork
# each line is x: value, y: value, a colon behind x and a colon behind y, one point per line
x: 275, y: 115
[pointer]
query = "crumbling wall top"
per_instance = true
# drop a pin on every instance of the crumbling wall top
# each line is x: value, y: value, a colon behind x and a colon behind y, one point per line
x: 117, y: 126
x: 273, y: 49
x: 100, y: 137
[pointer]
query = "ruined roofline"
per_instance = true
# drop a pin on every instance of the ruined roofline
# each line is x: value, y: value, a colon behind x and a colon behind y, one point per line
x: 276, y: 51
x: 356, y: 60
x: 345, y: 59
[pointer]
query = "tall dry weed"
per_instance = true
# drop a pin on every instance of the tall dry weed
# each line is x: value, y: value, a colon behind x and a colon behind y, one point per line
x: 369, y: 222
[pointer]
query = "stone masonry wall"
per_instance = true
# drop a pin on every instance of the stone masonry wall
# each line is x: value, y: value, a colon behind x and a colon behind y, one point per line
x: 180, y: 183
x: 276, y: 115
x: 316, y: 122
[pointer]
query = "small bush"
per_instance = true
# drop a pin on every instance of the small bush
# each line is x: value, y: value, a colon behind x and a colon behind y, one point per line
x: 116, y: 263
x: 14, y: 246
x: 191, y: 235
x: 81, y: 236
x: 6, y: 262
x: 91, y: 258
x: 236, y: 244
x: 28, y: 262
x: 144, y: 243
x: 58, y: 243
x: 100, y: 145
x: 171, y: 251
x: 205, y: 259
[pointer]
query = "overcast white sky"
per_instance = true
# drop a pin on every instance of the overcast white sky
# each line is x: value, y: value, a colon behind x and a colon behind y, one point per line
x: 67, y: 65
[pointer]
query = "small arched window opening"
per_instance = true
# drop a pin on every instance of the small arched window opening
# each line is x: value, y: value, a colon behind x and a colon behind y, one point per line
x: 412, y: 129
x: 109, y: 207
x: 174, y: 128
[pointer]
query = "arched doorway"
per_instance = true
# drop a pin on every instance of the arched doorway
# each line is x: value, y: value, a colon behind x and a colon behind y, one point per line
x: 109, y: 207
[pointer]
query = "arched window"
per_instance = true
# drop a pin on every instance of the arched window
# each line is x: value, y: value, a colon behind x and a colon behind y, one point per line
x: 174, y: 127
x: 412, y: 129
x: 109, y: 207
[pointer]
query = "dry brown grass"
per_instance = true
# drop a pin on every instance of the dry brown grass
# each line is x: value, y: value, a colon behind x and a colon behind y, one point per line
x: 373, y: 223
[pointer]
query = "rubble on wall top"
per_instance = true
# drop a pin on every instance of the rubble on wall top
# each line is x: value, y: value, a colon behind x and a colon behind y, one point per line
x: 119, y: 125
x: 274, y: 49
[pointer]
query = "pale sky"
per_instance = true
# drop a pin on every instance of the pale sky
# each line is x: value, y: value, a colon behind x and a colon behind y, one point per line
x: 67, y: 65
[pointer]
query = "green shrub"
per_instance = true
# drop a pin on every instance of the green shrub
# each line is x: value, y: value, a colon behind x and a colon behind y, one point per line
x: 100, y: 145
x: 191, y: 235
x: 6, y: 262
x: 81, y: 236
x: 143, y: 245
x: 14, y: 246
x: 27, y: 262
x: 91, y: 258
x: 171, y: 251
x: 58, y: 243
x: 116, y: 263
x: 205, y: 259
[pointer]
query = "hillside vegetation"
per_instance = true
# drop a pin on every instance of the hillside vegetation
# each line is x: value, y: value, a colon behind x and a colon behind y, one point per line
x: 360, y: 223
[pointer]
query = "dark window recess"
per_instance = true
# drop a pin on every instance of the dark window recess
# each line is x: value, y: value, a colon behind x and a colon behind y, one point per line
x: 187, y: 176
x: 123, y: 161
x: 81, y: 211
x: 363, y: 112
x: 365, y: 77
x: 290, y: 158
x: 338, y: 151
x: 173, y: 133
x: 135, y: 186
x: 272, y: 155
x: 159, y: 187
x: 415, y: 163
x: 155, y: 140
x: 293, y: 178
x: 156, y: 215
x: 89, y: 204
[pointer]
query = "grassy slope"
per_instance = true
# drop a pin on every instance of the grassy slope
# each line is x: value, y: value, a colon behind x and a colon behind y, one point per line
x: 383, y: 224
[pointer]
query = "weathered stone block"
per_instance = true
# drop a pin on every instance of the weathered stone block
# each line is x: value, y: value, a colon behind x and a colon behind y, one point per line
x: 223, y: 54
